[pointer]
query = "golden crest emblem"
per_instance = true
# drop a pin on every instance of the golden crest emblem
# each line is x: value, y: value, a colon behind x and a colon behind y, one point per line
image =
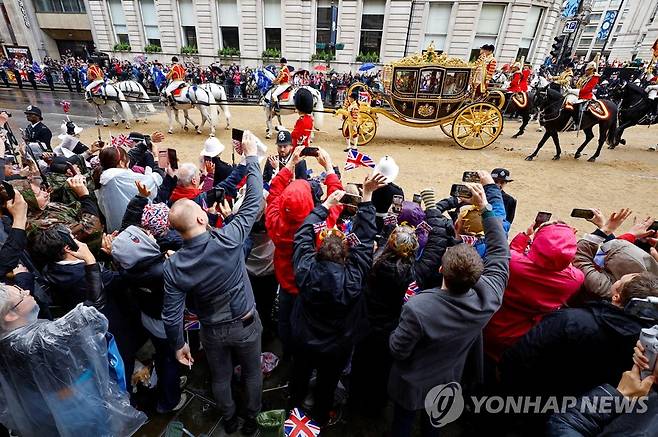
x: 426, y: 110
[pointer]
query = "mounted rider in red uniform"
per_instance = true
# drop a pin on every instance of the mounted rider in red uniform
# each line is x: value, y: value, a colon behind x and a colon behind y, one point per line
x: 282, y: 82
x: 176, y: 77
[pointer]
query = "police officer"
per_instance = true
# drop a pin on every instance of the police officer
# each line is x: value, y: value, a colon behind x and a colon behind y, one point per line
x: 36, y: 131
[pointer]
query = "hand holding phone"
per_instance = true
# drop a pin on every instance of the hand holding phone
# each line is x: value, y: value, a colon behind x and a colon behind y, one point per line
x: 586, y: 214
x: 350, y: 199
x: 460, y: 190
x: 7, y: 191
x: 310, y: 151
x: 163, y: 158
x: 471, y: 176
x: 236, y: 137
x: 173, y: 159
x: 541, y: 218
x: 396, y: 206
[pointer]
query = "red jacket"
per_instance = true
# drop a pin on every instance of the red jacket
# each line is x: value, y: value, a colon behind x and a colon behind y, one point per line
x: 515, y: 83
x: 288, y: 204
x: 301, y: 133
x: 524, y: 80
x: 587, y: 92
x: 541, y: 280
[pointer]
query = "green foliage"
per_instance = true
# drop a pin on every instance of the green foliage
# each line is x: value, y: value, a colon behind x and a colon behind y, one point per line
x: 323, y: 56
x: 121, y: 47
x: 228, y: 51
x: 272, y: 53
x: 152, y: 48
x: 189, y: 50
x: 368, y: 57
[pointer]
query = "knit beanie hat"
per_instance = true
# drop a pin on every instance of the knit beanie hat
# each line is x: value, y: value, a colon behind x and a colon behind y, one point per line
x: 155, y: 218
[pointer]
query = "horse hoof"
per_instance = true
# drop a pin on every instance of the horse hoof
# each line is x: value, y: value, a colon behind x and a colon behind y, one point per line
x: 515, y: 136
x: 170, y: 131
x: 592, y: 159
x: 97, y: 122
x: 227, y: 128
x: 611, y: 147
x: 576, y: 156
x: 186, y: 128
x: 145, y: 121
x: 123, y: 121
x: 104, y: 124
x: 198, y: 132
x: 622, y: 142
x: 556, y: 158
x: 529, y: 158
x: 268, y: 136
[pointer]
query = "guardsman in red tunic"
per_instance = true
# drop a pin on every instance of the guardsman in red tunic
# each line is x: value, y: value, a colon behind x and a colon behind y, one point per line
x: 176, y: 76
x: 301, y: 134
x: 282, y: 82
x: 584, y: 87
x: 517, y: 77
x: 487, y: 63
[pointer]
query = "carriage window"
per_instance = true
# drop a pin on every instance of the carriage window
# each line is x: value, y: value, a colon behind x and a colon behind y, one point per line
x: 405, y: 81
x: 430, y: 81
x: 455, y: 83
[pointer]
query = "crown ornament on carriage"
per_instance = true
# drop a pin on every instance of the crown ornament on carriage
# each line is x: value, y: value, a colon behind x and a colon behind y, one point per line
x: 430, y: 56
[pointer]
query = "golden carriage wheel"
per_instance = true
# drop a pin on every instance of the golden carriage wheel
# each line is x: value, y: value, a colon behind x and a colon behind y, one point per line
x: 367, y: 128
x: 477, y: 125
x: 447, y: 129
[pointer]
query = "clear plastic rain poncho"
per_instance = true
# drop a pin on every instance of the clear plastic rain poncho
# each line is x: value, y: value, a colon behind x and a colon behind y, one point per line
x: 55, y: 380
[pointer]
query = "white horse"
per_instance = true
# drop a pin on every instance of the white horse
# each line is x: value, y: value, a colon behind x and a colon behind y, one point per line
x: 191, y: 96
x: 288, y: 107
x: 100, y: 93
x: 219, y: 94
x: 136, y: 94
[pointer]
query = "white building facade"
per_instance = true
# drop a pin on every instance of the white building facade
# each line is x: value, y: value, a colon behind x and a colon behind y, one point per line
x: 385, y: 29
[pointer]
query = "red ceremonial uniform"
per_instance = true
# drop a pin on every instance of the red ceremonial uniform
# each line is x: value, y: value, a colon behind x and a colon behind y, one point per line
x: 177, y: 72
x: 587, y: 91
x: 515, y: 83
x: 301, y: 134
x: 284, y: 76
x: 94, y: 72
x: 525, y: 79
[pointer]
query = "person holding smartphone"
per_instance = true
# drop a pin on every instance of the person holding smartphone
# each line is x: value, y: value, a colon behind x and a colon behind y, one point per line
x: 284, y: 152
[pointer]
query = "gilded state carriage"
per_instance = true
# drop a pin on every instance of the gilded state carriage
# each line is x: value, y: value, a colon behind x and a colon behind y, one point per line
x: 428, y: 90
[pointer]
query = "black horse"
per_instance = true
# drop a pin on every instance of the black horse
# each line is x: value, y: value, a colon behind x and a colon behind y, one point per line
x: 555, y: 118
x: 514, y: 108
x: 634, y: 109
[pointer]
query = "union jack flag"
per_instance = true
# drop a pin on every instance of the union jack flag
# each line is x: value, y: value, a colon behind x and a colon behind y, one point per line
x: 319, y: 227
x: 191, y: 322
x: 298, y: 425
x: 412, y: 290
x: 357, y: 159
x: 121, y: 141
x: 66, y: 106
x: 352, y: 240
x: 469, y: 239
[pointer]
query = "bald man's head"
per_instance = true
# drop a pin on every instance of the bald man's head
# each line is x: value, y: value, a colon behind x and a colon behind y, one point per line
x: 187, y: 217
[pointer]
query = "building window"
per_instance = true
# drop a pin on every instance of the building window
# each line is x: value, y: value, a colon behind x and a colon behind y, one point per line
x: 438, y: 22
x: 150, y: 21
x: 529, y: 32
x: 66, y: 6
x: 118, y: 21
x: 323, y: 26
x: 488, y: 27
x: 372, y: 25
x: 272, y: 21
x: 187, y: 22
x: 229, y: 23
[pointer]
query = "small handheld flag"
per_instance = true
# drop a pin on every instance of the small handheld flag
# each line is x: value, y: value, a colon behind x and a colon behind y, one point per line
x: 357, y: 159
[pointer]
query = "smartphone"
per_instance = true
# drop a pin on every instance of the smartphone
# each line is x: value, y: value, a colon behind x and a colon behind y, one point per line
x: 163, y: 158
x: 7, y: 191
x: 65, y: 235
x: 397, y: 204
x: 350, y: 199
x: 417, y: 198
x: 542, y: 217
x: 310, y: 151
x: 73, y: 169
x: 582, y: 213
x: 459, y: 190
x: 216, y: 194
x: 173, y: 159
x: 471, y: 176
x: 654, y: 226
x: 236, y: 136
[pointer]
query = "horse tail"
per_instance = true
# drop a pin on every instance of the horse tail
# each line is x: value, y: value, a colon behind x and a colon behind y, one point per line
x: 145, y: 97
x: 224, y: 102
x: 125, y: 107
x: 612, y: 130
x: 318, y: 110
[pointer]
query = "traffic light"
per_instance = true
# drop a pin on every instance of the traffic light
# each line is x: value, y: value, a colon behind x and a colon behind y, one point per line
x: 557, y: 46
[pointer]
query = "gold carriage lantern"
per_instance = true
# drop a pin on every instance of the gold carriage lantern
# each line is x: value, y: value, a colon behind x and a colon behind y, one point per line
x: 431, y: 89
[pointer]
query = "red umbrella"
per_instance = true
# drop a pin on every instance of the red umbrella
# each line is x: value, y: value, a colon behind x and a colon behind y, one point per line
x: 320, y: 67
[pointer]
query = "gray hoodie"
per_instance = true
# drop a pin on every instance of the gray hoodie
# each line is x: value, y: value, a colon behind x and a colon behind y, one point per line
x: 132, y: 246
